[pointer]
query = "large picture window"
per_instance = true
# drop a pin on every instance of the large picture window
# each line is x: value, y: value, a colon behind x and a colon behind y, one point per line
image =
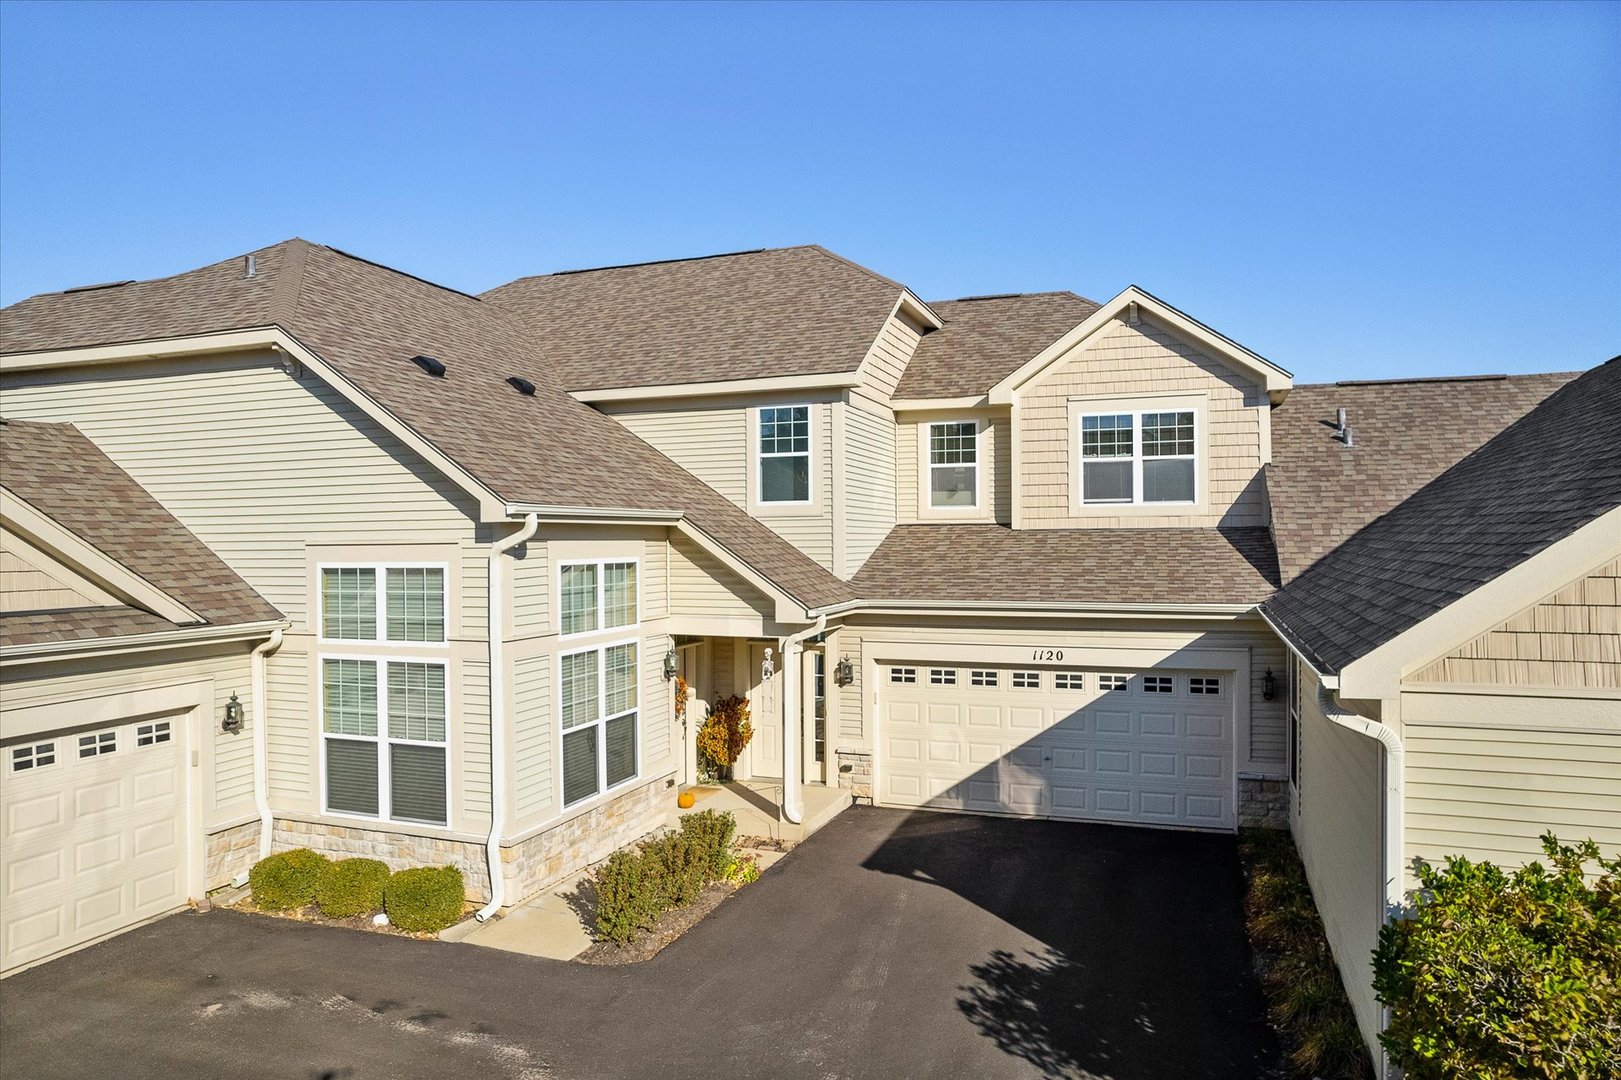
x: 598, y: 709
x: 785, y: 458
x: 954, y: 465
x: 1139, y: 457
x: 597, y: 595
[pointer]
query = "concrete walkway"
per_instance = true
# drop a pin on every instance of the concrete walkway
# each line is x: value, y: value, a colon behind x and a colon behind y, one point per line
x: 551, y: 924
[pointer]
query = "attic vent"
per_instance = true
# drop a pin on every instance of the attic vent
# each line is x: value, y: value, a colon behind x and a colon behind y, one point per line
x: 249, y: 267
x: 430, y: 365
x: 103, y: 285
x: 522, y: 385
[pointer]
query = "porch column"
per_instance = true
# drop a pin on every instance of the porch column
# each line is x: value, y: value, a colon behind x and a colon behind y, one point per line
x: 793, y: 653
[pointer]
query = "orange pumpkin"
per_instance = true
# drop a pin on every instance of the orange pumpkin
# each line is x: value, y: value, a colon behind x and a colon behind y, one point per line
x: 685, y: 800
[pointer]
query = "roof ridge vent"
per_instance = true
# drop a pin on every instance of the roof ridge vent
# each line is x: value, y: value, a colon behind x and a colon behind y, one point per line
x: 102, y: 285
x: 430, y: 365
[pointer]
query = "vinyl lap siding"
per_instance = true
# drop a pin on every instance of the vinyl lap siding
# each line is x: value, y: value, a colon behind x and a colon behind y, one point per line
x: 531, y: 591
x: 869, y: 483
x: 1141, y: 361
x: 890, y: 354
x: 29, y: 586
x: 475, y: 748
x: 533, y: 737
x: 701, y: 585
x: 655, y: 580
x: 996, y: 458
x: 710, y: 443
x: 294, y: 754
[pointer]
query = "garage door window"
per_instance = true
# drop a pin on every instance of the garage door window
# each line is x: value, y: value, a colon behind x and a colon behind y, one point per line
x: 1113, y: 682
x: 1027, y: 680
x: 34, y: 756
x: 903, y: 674
x: 1069, y: 680
x: 1158, y: 684
x: 942, y: 677
x: 102, y: 742
x: 1204, y: 685
x: 154, y: 733
x: 982, y: 678
x: 358, y: 696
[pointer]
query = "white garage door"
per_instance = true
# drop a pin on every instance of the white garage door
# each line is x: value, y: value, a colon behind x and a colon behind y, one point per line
x: 1151, y: 748
x: 92, y: 835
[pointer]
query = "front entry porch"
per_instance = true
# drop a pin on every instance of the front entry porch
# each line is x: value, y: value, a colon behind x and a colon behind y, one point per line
x: 757, y: 805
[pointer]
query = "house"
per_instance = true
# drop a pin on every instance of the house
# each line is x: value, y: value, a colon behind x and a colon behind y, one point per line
x: 1027, y: 555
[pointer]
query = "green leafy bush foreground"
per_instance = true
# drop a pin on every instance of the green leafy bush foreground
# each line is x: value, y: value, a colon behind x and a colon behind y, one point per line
x: 351, y: 887
x: 1503, y: 976
x: 286, y: 879
x: 637, y: 885
x: 1305, y: 998
x: 424, y: 898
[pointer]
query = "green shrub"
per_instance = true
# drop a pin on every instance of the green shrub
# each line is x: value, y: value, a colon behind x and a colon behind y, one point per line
x: 1500, y: 976
x: 286, y: 879
x: 351, y: 887
x: 424, y: 898
x: 637, y: 885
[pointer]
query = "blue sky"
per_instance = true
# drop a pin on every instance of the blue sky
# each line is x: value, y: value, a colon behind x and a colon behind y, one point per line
x: 1362, y: 191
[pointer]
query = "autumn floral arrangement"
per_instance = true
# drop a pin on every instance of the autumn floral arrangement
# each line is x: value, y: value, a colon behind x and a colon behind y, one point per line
x: 725, y: 733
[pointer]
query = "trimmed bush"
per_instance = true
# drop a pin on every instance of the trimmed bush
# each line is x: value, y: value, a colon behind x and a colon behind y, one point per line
x: 286, y: 879
x: 351, y: 887
x: 630, y: 894
x: 712, y: 833
x: 1502, y: 976
x: 424, y: 898
x: 637, y: 885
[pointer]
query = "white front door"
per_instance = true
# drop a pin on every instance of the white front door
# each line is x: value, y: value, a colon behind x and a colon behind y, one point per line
x: 93, y: 834
x: 765, y: 713
x: 1152, y: 747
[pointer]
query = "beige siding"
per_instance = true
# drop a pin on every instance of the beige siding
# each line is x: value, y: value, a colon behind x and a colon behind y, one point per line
x: 655, y: 579
x: 228, y: 781
x: 533, y: 736
x: 1266, y: 721
x: 531, y: 590
x: 1336, y: 824
x: 1572, y: 639
x: 294, y: 762
x: 38, y: 584
x: 1142, y: 361
x: 890, y: 354
x: 996, y: 453
x: 700, y: 585
x: 255, y: 462
x: 474, y: 757
x: 658, y: 708
x: 1487, y: 775
x: 868, y: 486
x: 723, y: 671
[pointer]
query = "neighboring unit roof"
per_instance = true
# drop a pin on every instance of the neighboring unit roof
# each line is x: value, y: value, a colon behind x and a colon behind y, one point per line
x: 750, y: 315
x: 369, y: 322
x: 1404, y: 434
x: 996, y: 564
x: 1548, y: 474
x: 985, y: 339
x: 62, y: 474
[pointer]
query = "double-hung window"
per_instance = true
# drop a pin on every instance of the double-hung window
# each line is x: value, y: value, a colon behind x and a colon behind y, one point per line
x: 1138, y: 457
x: 598, y: 682
x: 785, y: 454
x: 954, y: 465
x: 384, y: 692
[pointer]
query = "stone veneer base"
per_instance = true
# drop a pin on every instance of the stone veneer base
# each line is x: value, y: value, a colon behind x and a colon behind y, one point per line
x: 230, y: 852
x: 527, y: 867
x: 855, y: 772
x: 1263, y: 803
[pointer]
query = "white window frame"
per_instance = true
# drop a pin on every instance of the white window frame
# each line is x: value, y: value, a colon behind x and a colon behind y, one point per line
x: 903, y: 676
x: 926, y: 504
x: 985, y: 678
x: 1025, y: 679
x: 1168, y: 682
x: 1136, y: 413
x: 601, y: 722
x: 943, y: 676
x: 385, y: 786
x: 758, y: 453
x: 35, y: 749
x: 380, y: 570
x: 1069, y: 680
x: 1215, y: 686
x: 1115, y: 682
x: 602, y: 595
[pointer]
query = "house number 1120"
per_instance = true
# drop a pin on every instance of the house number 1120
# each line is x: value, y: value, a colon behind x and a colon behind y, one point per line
x: 1047, y: 654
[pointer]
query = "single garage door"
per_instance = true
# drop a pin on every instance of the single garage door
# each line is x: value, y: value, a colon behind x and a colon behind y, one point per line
x: 93, y: 824
x: 1151, y: 748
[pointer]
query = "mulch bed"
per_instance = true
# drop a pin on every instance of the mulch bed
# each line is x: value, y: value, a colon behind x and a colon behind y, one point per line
x: 311, y: 913
x: 671, y: 925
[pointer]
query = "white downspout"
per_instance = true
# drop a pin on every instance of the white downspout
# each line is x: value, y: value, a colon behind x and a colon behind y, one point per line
x: 792, y: 809
x: 498, y: 712
x: 261, y: 737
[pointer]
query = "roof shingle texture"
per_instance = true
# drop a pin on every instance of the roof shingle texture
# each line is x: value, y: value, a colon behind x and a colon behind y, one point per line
x: 985, y: 340
x: 752, y: 315
x: 1548, y: 474
x: 62, y: 474
x: 996, y: 564
x: 369, y: 322
x: 1403, y: 436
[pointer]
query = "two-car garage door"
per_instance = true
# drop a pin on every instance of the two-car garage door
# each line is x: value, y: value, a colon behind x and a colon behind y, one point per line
x: 1141, y: 747
x: 92, y: 834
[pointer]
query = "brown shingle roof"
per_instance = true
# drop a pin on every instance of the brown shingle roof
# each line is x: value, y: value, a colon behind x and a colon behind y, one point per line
x: 750, y: 315
x: 993, y: 563
x: 1405, y: 434
x: 63, y: 475
x: 369, y: 322
x: 985, y: 339
x: 1546, y: 475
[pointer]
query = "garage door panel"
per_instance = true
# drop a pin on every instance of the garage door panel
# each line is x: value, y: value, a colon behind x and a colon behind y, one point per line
x: 29, y: 815
x: 1076, y: 753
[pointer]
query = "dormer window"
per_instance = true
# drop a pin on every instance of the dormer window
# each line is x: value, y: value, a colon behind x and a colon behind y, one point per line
x: 1138, y: 458
x: 785, y: 465
x: 954, y: 465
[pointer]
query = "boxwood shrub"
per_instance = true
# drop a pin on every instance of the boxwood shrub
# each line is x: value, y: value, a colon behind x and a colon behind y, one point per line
x: 1500, y: 975
x: 351, y: 887
x: 637, y: 885
x: 424, y: 898
x: 286, y: 879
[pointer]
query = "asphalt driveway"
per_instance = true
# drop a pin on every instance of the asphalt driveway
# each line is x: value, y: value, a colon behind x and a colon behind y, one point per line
x: 888, y: 945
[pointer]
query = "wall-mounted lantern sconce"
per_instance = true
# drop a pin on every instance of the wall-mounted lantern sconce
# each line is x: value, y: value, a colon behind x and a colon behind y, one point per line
x: 1269, y: 686
x: 233, y: 716
x: 843, y: 673
x: 670, y: 661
